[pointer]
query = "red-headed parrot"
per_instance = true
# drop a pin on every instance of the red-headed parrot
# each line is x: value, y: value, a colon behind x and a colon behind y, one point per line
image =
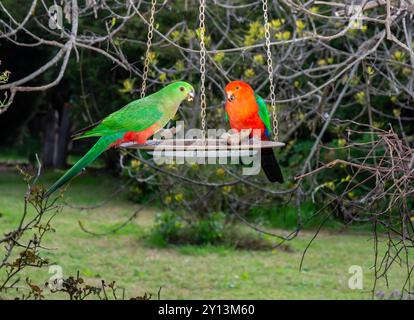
x: 247, y: 110
x: 137, y: 121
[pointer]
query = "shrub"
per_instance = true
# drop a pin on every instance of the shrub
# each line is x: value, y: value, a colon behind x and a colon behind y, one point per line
x: 172, y: 228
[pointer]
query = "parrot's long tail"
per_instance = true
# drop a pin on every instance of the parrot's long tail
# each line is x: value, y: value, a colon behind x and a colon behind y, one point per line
x: 270, y: 166
x: 100, y: 146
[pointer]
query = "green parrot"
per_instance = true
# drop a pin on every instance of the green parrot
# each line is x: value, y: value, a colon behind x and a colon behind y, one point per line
x: 136, y: 122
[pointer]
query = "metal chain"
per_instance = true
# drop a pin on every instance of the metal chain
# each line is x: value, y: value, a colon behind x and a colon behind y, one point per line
x: 270, y: 70
x: 202, y: 68
x: 147, y: 53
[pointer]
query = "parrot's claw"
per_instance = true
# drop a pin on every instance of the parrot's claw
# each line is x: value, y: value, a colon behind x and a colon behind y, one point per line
x: 175, y: 130
x: 170, y: 133
x: 236, y: 137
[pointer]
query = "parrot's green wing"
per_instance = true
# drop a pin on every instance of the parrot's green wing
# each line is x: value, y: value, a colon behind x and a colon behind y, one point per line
x: 135, y: 116
x: 263, y: 113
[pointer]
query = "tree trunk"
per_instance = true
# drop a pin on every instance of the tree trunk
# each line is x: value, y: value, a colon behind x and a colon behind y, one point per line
x: 51, y: 124
x: 63, y: 138
x: 56, y: 138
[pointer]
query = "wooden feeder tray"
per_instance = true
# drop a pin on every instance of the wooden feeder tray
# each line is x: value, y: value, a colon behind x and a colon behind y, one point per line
x: 210, y: 148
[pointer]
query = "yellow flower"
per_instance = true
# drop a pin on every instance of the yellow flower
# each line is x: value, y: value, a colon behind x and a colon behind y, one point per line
x: 168, y: 199
x: 330, y: 185
x: 352, y: 195
x: 195, y: 166
x: 314, y: 10
x: 179, y: 197
x: 394, y: 99
x: 220, y: 172
x: 396, y: 112
x: 377, y: 124
x: 227, y: 189
x: 128, y: 86
x: 4, y: 77
x: 321, y: 62
x: 249, y: 40
x: 219, y: 112
x: 219, y: 57
x: 354, y: 81
x: 258, y: 58
x: 330, y: 60
x: 175, y: 35
x: 296, y: 84
x: 277, y: 23
x: 207, y: 39
x: 279, y: 35
x: 163, y: 77
x: 179, y: 66
x: 364, y: 28
x: 370, y: 70
x: 406, y: 71
x: 341, y: 142
x: 152, y: 57
x: 347, y: 179
x: 356, y: 24
x: 256, y: 31
x: 300, y: 25
x: 135, y: 164
x: 190, y: 34
x: 399, y: 56
x: 113, y: 21
x: 360, y: 97
x: 249, y: 73
x: 286, y: 35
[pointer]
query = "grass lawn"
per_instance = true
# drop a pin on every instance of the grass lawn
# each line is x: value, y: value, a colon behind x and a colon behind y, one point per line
x: 186, y: 272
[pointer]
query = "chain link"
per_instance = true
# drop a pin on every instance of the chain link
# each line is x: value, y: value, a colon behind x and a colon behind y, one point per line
x: 202, y: 68
x: 270, y: 70
x: 147, y: 53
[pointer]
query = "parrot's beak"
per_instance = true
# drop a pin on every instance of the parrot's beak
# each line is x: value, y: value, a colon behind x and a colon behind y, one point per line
x: 190, y: 96
x: 230, y: 96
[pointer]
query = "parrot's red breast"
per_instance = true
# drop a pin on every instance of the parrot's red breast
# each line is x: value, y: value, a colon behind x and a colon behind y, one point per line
x: 139, y: 137
x: 242, y: 108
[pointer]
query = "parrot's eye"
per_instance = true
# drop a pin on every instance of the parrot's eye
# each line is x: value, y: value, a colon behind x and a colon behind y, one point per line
x: 237, y: 88
x: 181, y: 88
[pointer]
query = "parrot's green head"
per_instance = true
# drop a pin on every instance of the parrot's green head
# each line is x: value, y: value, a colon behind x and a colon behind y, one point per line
x: 181, y: 90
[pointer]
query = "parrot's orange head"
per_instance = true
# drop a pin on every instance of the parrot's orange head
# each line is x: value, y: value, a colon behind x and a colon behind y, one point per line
x: 237, y: 91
